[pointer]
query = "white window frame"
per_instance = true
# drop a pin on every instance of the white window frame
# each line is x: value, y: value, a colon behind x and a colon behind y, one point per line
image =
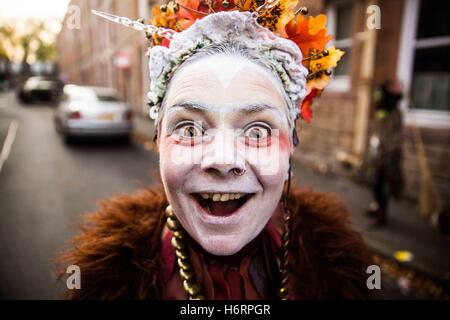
x: 340, y: 83
x: 408, y: 46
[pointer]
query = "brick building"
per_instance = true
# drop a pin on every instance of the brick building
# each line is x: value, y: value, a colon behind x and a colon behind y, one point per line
x: 412, y: 45
x: 101, y: 53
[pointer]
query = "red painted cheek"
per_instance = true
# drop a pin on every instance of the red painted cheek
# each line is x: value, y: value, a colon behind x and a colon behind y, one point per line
x: 169, y: 145
x: 168, y: 148
x: 171, y: 141
x: 284, y: 142
x: 173, y: 171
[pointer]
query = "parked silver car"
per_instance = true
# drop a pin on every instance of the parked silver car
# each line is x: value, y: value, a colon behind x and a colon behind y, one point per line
x: 92, y: 111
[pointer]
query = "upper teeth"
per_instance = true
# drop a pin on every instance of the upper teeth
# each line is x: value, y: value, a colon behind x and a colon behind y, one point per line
x: 222, y: 196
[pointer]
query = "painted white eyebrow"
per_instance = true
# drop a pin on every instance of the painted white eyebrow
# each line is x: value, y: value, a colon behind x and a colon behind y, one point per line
x: 246, y: 109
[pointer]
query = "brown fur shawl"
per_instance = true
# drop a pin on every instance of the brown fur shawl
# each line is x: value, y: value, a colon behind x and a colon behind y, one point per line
x: 119, y: 245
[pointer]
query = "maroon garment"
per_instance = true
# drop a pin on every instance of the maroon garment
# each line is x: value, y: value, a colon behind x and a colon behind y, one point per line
x: 246, y: 275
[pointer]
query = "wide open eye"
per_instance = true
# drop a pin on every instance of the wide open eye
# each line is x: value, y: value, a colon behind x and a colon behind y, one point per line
x: 258, y: 134
x: 189, y: 131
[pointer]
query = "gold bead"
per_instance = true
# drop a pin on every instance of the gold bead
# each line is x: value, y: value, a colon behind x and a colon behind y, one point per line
x: 191, y: 288
x: 163, y: 8
x: 177, y: 244
x: 172, y: 224
x: 304, y: 10
x: 283, y: 292
x: 284, y: 282
x: 328, y: 72
x: 286, y: 235
x: 181, y: 255
x: 325, y: 53
x: 178, y: 234
x: 169, y: 211
x: 186, y: 275
x: 183, y: 265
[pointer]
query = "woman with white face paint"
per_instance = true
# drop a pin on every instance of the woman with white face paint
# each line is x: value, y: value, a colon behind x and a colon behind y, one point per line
x: 227, y: 86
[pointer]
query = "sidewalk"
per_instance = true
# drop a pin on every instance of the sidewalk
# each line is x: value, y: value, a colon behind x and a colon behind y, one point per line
x: 406, y: 230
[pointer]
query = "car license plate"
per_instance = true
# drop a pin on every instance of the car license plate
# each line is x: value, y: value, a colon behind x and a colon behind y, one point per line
x: 106, y: 116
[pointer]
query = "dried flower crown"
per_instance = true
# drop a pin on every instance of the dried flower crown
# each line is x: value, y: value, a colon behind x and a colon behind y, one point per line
x: 279, y: 16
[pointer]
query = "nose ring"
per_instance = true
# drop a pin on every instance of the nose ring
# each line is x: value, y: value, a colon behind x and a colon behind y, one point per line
x: 239, y: 172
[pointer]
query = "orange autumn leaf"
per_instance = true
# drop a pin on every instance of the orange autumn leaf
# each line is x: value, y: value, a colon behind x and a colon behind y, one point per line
x: 319, y: 83
x: 308, y: 33
x: 245, y: 5
x: 190, y: 4
x: 324, y: 63
x: 306, y: 105
x: 315, y: 24
x: 306, y: 112
x: 275, y: 17
x: 188, y: 13
x: 160, y: 18
x: 286, y: 16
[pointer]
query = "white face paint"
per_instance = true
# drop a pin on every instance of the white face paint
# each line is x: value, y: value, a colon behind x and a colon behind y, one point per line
x: 227, y: 114
x: 226, y: 75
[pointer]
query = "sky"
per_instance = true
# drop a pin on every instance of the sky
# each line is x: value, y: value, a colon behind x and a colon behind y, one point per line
x: 40, y: 9
x: 19, y: 13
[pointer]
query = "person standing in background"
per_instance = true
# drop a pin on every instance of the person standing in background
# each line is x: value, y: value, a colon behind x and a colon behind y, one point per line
x: 388, y: 175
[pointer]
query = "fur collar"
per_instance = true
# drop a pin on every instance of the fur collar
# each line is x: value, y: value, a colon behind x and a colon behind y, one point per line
x: 119, y: 245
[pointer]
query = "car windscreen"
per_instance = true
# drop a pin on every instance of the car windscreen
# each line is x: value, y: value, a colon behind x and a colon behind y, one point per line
x: 105, y: 97
x: 77, y: 93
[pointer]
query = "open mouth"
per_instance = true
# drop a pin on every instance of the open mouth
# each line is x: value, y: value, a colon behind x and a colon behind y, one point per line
x: 221, y: 204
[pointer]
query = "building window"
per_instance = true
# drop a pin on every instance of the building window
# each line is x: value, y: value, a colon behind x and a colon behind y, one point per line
x: 343, y: 36
x: 340, y: 19
x: 423, y: 63
x: 431, y: 68
x: 431, y: 79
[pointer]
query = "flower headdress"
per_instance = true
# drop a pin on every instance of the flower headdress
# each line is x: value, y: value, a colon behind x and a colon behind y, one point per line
x: 198, y: 23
